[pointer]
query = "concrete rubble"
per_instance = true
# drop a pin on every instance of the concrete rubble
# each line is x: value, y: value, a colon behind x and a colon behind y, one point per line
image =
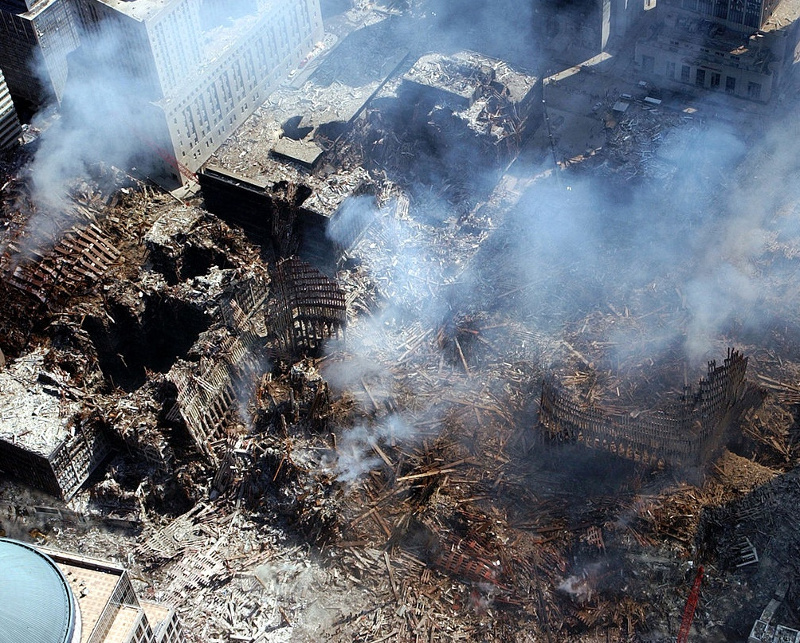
x: 321, y: 398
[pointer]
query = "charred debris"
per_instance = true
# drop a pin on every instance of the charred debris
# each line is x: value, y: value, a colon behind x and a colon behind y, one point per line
x: 243, y: 397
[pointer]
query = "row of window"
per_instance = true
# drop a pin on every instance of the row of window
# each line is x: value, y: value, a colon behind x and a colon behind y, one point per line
x: 176, y: 48
x: 215, y: 106
x: 701, y: 75
x: 736, y: 11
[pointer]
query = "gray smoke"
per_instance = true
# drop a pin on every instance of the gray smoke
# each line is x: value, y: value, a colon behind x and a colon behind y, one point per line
x: 99, y: 121
x: 694, y: 259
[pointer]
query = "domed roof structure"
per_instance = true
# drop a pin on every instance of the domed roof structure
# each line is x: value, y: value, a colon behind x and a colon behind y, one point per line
x: 36, y: 602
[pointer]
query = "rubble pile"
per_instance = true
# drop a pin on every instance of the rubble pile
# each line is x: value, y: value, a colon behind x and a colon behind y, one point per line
x: 311, y: 403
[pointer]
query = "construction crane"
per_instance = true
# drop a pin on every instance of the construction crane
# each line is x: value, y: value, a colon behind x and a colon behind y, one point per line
x: 691, y: 605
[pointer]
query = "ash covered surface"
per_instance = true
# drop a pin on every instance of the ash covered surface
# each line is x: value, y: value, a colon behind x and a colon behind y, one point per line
x: 384, y: 475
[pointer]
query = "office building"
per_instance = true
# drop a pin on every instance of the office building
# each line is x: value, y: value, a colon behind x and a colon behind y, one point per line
x: 197, y: 71
x: 35, y: 38
x: 10, y: 129
x: 740, y: 48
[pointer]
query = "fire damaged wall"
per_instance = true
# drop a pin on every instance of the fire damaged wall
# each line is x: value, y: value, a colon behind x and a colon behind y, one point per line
x: 687, y: 435
x: 271, y: 215
x: 311, y: 308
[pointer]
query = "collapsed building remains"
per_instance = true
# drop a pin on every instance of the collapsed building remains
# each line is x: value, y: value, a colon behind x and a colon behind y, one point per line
x: 43, y: 440
x: 688, y: 434
x: 271, y: 214
x: 312, y: 307
x: 471, y: 99
x: 209, y: 392
x: 77, y: 260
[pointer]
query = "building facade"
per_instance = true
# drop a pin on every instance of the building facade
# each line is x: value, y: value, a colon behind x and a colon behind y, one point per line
x: 737, y: 47
x: 56, y: 596
x: 199, y: 71
x: 10, y: 129
x: 36, y: 37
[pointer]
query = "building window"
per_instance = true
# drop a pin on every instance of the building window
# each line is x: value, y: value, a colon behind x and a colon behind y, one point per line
x: 671, y: 70
x: 714, y: 80
x: 700, y: 78
x: 648, y: 62
x: 754, y: 90
x: 730, y: 84
x: 685, y: 71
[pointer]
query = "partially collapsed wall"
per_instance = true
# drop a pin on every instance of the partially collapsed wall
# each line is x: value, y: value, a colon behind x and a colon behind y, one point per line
x: 209, y: 391
x: 312, y: 307
x: 687, y: 434
x: 42, y: 441
x: 78, y: 259
x: 271, y: 214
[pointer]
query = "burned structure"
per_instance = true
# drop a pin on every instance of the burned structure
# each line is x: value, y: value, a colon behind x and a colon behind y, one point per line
x: 77, y: 260
x: 208, y: 394
x: 266, y: 474
x: 312, y: 307
x: 36, y: 36
x: 44, y: 441
x: 688, y: 434
x: 271, y: 214
x: 196, y: 73
x: 478, y: 104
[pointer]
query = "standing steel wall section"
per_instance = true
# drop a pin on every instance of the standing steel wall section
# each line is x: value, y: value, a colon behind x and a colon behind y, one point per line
x: 313, y: 307
x: 685, y: 435
x: 64, y: 471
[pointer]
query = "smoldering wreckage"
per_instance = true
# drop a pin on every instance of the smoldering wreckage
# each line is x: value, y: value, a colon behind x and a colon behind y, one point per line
x: 244, y: 398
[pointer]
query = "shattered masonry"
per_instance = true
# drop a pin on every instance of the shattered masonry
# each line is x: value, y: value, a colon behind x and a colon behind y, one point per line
x: 687, y: 435
x: 43, y: 443
x: 269, y: 213
x: 208, y: 395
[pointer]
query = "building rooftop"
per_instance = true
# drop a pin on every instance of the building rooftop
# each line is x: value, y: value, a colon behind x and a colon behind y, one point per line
x: 139, y: 9
x: 463, y: 75
x: 27, y: 8
x: 459, y: 75
x: 33, y: 415
x: 93, y: 589
x: 36, y: 602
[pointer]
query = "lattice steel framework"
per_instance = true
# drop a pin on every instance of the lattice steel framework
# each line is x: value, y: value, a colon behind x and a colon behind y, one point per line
x: 78, y: 259
x: 687, y: 434
x: 312, y: 307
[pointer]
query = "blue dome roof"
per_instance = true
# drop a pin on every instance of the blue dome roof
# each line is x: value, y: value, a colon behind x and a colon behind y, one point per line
x: 36, y: 603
